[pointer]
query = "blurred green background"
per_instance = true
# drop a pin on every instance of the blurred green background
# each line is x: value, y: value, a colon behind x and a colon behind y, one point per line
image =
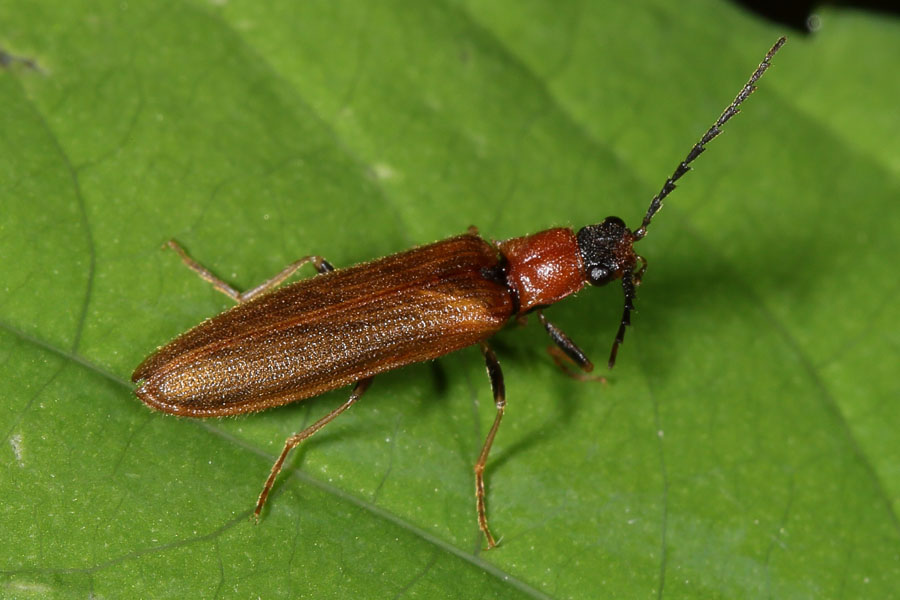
x: 745, y: 445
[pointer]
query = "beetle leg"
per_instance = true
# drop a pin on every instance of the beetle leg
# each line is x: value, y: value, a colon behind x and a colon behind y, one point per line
x: 496, y: 376
x: 566, y: 349
x: 562, y: 361
x: 292, y: 442
x: 321, y: 265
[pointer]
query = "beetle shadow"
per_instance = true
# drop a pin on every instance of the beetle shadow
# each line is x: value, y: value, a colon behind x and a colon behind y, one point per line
x: 439, y: 379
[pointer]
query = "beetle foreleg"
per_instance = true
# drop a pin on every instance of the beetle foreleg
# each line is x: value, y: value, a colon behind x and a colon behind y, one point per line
x: 292, y: 442
x: 496, y: 376
x: 562, y: 361
x: 321, y: 265
x: 566, y: 349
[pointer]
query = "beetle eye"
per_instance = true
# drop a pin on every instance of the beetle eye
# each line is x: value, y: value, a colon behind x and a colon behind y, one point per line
x: 599, y: 275
x: 614, y: 221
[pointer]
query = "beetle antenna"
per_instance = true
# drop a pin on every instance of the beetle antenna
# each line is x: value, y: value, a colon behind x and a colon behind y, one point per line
x: 699, y: 147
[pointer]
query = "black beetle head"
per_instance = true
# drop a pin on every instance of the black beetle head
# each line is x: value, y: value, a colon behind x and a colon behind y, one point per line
x: 606, y: 250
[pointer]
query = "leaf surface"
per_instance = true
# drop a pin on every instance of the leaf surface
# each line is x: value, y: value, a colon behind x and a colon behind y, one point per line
x: 745, y: 445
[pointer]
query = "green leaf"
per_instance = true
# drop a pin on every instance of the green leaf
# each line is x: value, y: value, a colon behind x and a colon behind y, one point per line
x: 744, y: 446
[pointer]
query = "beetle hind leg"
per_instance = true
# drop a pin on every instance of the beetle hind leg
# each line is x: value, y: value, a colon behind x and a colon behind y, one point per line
x: 499, y: 389
x: 292, y: 442
x: 321, y: 265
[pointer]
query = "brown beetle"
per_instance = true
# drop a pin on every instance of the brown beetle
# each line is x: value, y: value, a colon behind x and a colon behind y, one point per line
x: 346, y: 326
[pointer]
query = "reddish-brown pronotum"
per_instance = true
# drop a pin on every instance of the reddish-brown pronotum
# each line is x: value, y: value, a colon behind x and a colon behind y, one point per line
x: 346, y: 326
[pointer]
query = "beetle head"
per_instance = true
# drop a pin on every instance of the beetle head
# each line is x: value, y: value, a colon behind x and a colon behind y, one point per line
x: 607, y: 250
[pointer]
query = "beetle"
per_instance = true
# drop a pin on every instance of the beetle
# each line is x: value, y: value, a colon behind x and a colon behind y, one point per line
x: 342, y: 327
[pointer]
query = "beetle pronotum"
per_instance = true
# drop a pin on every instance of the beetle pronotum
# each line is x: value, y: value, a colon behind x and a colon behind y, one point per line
x: 346, y: 326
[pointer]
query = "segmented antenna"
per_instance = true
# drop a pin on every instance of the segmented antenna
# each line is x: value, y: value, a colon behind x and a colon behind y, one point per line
x: 631, y: 279
x: 700, y: 146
